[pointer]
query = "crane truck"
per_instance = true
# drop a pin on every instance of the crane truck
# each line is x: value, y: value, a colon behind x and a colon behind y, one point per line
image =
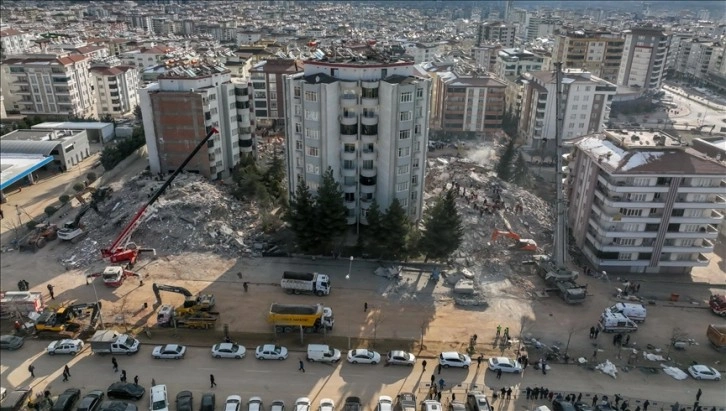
x: 291, y: 317
x: 202, y: 302
x: 113, y: 275
x: 122, y: 249
x: 309, y: 283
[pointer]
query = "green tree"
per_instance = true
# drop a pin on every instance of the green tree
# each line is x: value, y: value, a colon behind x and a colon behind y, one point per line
x: 331, y: 213
x: 520, y: 174
x: 373, y: 232
x: 274, y: 176
x: 249, y: 181
x: 138, y: 113
x: 301, y: 217
x: 78, y: 187
x: 504, y: 166
x: 443, y: 232
x: 395, y: 225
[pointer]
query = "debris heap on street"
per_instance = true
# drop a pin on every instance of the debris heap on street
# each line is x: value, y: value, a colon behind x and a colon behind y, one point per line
x: 193, y: 214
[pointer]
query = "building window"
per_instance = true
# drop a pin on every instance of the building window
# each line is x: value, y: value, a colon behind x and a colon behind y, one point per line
x: 311, y: 115
x: 414, y: 180
x: 404, y: 202
x: 404, y: 134
x: 298, y: 127
x: 406, y: 115
x: 312, y: 134
x: 404, y: 152
x: 367, y: 165
x: 313, y: 152
x: 349, y: 148
x: 419, y: 112
x: 575, y: 98
x: 631, y: 212
x: 637, y: 196
x: 296, y: 92
x: 402, y: 186
x: 641, y: 182
x: 630, y: 227
x: 403, y: 169
x: 414, y: 195
x: 626, y: 241
x: 417, y: 129
x: 311, y: 96
x: 298, y: 145
x: 406, y: 97
x: 348, y: 164
x: 312, y: 169
x: 349, y: 197
x: 690, y: 228
x: 415, y: 163
x: 419, y: 93
x: 625, y: 256
x: 581, y: 125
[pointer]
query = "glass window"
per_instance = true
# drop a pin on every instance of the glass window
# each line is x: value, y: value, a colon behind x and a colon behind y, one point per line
x: 404, y: 134
x: 313, y: 151
x: 406, y: 97
x: 406, y: 115
x: 311, y: 96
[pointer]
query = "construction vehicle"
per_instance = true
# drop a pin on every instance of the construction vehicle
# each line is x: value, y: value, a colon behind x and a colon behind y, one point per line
x: 202, y: 302
x: 113, y: 275
x: 526, y: 244
x: 717, y: 303
x: 717, y: 336
x: 168, y: 316
x: 309, y: 283
x: 73, y: 230
x: 561, y: 282
x: 38, y: 237
x: 309, y: 318
x: 97, y: 194
x: 109, y: 342
x: 122, y: 249
x: 74, y: 321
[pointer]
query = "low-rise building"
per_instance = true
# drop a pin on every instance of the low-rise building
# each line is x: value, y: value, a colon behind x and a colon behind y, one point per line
x: 67, y: 147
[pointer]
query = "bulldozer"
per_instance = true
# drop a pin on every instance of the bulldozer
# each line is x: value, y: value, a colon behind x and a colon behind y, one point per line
x: 522, y: 244
x: 39, y: 237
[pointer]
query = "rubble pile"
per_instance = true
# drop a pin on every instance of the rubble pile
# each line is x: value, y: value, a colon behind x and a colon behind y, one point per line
x: 192, y: 215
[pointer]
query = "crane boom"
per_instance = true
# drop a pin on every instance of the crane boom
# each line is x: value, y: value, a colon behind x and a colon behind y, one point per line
x: 118, y: 250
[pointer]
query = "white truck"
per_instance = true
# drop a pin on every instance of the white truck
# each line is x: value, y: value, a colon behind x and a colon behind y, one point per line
x: 308, y: 283
x: 109, y: 342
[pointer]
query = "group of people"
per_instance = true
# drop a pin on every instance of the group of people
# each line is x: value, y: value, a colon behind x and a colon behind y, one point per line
x: 23, y: 285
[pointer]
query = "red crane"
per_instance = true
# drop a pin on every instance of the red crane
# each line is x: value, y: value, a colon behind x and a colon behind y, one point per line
x: 122, y: 249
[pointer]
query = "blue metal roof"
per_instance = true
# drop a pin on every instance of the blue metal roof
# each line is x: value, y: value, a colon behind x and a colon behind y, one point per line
x: 16, y: 167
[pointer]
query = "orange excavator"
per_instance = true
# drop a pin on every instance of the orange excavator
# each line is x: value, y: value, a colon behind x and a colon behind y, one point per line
x: 526, y: 244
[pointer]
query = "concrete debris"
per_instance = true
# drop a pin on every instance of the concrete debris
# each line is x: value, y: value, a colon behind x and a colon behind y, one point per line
x: 674, y: 372
x: 193, y: 214
x: 608, y: 368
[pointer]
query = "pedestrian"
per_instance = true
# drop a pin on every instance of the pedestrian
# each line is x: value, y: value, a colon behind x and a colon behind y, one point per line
x: 424, y: 364
x: 438, y: 369
x: 615, y: 339
x: 65, y: 375
x: 535, y: 393
x: 637, y: 408
x: 579, y: 397
x: 529, y: 392
x: 302, y: 366
x: 506, y: 333
x: 438, y: 396
x: 695, y: 406
x: 153, y: 382
x: 479, y: 360
x: 637, y: 288
x: 594, y: 354
x: 594, y: 400
x: 50, y: 290
x: 509, y: 393
x: 365, y: 307
x: 499, y: 330
x: 453, y: 397
x: 441, y: 384
x: 592, y: 332
x: 31, y: 370
x: 503, y: 391
x: 245, y: 285
x: 545, y: 392
x: 136, y: 380
x: 550, y: 396
x: 624, y: 406
x: 597, y: 332
x: 627, y: 340
x: 212, y: 383
x: 475, y: 337
x: 544, y: 368
x: 645, y: 405
x: 698, y: 395
x: 115, y: 364
x: 67, y: 370
x: 525, y: 362
x: 433, y: 379
x: 123, y: 375
x: 499, y: 374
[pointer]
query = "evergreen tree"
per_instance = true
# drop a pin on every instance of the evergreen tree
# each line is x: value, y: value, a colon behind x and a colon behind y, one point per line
x: 520, y: 175
x: 442, y: 229
x: 504, y: 167
x: 395, y: 225
x: 301, y: 217
x: 330, y: 211
x: 374, y: 231
x: 274, y: 176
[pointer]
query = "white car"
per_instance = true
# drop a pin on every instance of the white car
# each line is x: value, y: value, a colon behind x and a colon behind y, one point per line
x: 704, y: 372
x: 271, y: 352
x: 233, y: 403
x: 326, y: 404
x: 302, y: 404
x: 363, y: 356
x: 505, y: 364
x: 72, y: 347
x: 254, y: 404
x: 400, y: 358
x: 454, y: 359
x: 228, y: 350
x: 277, y: 405
x: 169, y: 352
x: 385, y: 403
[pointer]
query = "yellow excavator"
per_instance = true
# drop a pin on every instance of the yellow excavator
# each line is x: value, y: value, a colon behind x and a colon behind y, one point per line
x: 192, y: 304
x: 68, y: 321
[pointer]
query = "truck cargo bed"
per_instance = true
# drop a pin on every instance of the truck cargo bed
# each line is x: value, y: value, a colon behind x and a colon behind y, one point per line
x: 294, y: 309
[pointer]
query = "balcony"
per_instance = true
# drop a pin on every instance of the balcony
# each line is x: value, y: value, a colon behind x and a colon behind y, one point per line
x: 700, y: 261
x: 348, y: 120
x: 369, y: 120
x: 348, y: 155
x: 718, y: 202
x: 705, y: 247
x: 614, y: 216
x: 614, y: 263
x: 349, y: 172
x: 613, y: 247
x: 708, y: 231
x: 614, y: 200
x: 368, y: 154
x: 611, y: 230
x: 369, y: 139
x: 368, y: 172
x: 369, y: 101
x: 620, y: 186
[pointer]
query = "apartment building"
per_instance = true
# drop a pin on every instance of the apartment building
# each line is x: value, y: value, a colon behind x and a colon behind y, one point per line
x: 540, y: 27
x: 368, y: 120
x: 644, y: 202
x: 267, y: 79
x: 693, y: 58
x: 49, y: 84
x: 422, y: 52
x: 644, y: 58
x: 145, y: 56
x: 467, y: 102
x: 496, y: 32
x: 585, y: 106
x: 116, y: 89
x: 179, y: 110
x: 597, y: 52
x: 514, y: 62
x: 485, y: 56
x: 13, y: 41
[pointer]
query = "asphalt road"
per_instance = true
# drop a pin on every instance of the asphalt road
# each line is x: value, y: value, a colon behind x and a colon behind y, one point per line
x: 281, y: 380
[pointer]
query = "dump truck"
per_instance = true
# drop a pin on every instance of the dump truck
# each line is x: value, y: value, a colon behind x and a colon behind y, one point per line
x: 168, y: 316
x: 717, y: 336
x: 18, y: 304
x: 292, y: 317
x: 110, y: 342
x: 308, y: 283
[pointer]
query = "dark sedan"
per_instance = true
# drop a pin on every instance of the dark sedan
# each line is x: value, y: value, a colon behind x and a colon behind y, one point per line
x: 66, y: 400
x: 125, y: 391
x: 10, y: 342
x: 91, y: 401
x: 117, y: 406
x: 184, y: 401
x: 208, y: 402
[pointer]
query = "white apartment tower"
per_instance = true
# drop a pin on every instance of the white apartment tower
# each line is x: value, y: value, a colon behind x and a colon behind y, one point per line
x: 117, y: 90
x: 368, y: 121
x: 644, y: 58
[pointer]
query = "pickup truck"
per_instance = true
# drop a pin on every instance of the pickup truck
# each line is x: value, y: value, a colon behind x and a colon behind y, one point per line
x: 108, y: 342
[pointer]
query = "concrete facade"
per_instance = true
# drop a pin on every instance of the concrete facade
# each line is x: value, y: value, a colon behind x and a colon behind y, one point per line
x: 117, y: 90
x: 600, y: 53
x: 267, y: 79
x: 644, y: 58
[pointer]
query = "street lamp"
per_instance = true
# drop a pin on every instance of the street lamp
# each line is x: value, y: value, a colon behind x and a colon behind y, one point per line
x: 350, y: 266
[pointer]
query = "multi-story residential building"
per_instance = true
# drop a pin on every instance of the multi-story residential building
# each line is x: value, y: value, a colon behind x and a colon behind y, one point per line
x: 540, y: 27
x: 268, y: 81
x: 598, y: 52
x: 585, y: 106
x: 485, y: 56
x: 514, y: 62
x: 145, y: 57
x: 49, y: 84
x: 635, y: 206
x: 467, y: 102
x: 13, y: 41
x: 644, y: 58
x: 716, y: 74
x: 116, y: 89
x: 693, y: 58
x: 497, y: 32
x: 367, y: 120
x: 422, y: 52
x: 181, y: 108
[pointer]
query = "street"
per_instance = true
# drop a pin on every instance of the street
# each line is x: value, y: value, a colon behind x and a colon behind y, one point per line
x: 281, y: 380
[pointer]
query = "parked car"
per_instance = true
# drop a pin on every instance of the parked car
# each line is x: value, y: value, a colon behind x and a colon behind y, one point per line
x: 169, y: 351
x: 233, y: 403
x: 302, y: 404
x: 363, y: 356
x: 117, y: 406
x: 158, y: 398
x: 91, y: 401
x: 505, y: 364
x: 385, y: 403
x: 72, y: 347
x: 277, y: 405
x: 10, y: 342
x: 477, y: 401
x: 17, y: 399
x: 561, y: 405
x: 583, y: 406
x: 457, y: 406
x: 184, y: 401
x: 454, y: 359
x: 326, y: 404
x: 228, y: 350
x: 704, y: 372
x: 208, y: 402
x: 66, y: 400
x: 406, y: 401
x: 255, y: 404
x: 270, y: 352
x: 398, y: 357
x: 125, y: 391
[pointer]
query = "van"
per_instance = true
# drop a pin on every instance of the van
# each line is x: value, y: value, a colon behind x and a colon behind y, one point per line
x: 614, y: 322
x: 159, y: 401
x: 323, y: 353
x: 635, y: 312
